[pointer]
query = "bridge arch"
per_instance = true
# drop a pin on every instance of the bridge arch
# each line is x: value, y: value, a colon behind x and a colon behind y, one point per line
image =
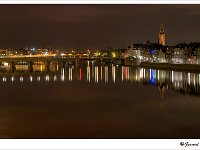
x: 38, y: 66
x: 54, y: 66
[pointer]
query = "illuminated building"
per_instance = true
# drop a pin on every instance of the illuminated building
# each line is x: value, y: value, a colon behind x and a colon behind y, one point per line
x: 161, y: 57
x: 198, y: 55
x: 178, y: 55
x: 3, y: 52
x: 169, y: 54
x: 135, y: 51
x: 183, y: 54
x: 43, y: 51
x: 161, y: 36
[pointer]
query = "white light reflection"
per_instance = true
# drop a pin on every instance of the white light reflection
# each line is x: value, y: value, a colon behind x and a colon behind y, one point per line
x: 21, y: 79
x: 38, y: 78
x: 12, y: 78
x: 70, y: 74
x: 47, y: 78
x: 106, y: 74
x: 88, y: 73
x: 113, y: 73
x: 141, y: 73
x: 4, y: 79
x: 62, y: 74
x: 31, y: 78
x: 189, y: 78
x: 96, y: 74
x: 55, y: 78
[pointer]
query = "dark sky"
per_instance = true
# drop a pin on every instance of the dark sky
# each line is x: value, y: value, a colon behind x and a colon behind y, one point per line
x: 95, y: 26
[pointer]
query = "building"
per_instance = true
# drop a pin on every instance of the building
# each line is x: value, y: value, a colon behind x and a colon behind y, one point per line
x: 161, y: 57
x: 3, y: 52
x: 194, y: 50
x: 169, y: 54
x: 185, y: 53
x: 161, y: 36
x: 135, y: 51
x: 178, y: 55
x: 198, y: 55
x: 187, y: 56
x: 42, y: 51
x: 154, y: 52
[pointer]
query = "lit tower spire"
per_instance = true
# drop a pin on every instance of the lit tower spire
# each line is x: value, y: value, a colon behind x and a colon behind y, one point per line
x: 161, y: 36
x: 162, y: 28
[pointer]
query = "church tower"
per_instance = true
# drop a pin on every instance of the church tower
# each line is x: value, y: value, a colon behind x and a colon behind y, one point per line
x: 161, y: 36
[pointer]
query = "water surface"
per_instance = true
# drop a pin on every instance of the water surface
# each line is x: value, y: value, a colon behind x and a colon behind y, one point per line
x: 99, y: 100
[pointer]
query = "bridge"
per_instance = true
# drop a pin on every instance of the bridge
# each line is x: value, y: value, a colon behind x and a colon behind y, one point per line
x: 30, y: 60
x: 47, y: 60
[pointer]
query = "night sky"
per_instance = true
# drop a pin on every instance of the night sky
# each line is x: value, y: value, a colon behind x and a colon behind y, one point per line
x: 95, y: 26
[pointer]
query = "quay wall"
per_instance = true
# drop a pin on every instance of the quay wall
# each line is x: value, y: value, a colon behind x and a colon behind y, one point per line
x: 181, y: 67
x: 128, y: 62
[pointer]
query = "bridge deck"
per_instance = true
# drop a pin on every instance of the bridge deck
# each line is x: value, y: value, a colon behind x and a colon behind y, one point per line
x: 52, y: 58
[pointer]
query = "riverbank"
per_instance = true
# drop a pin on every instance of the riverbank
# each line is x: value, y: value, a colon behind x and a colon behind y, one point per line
x: 181, y: 67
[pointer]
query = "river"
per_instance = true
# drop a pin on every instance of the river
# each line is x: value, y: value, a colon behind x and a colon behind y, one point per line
x: 99, y: 100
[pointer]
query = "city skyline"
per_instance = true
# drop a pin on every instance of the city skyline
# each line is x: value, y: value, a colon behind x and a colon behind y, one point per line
x: 95, y: 26
x: 106, y: 71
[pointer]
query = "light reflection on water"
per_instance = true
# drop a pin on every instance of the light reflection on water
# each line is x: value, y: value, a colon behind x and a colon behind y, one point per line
x: 182, y: 82
x: 99, y: 100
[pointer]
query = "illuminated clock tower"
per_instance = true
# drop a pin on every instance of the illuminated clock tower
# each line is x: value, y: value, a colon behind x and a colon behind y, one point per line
x: 161, y: 36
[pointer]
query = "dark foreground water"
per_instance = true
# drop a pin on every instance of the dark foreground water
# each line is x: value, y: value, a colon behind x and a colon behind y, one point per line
x: 100, y: 101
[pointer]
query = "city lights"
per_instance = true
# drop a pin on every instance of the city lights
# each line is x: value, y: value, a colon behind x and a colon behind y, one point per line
x: 106, y: 71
